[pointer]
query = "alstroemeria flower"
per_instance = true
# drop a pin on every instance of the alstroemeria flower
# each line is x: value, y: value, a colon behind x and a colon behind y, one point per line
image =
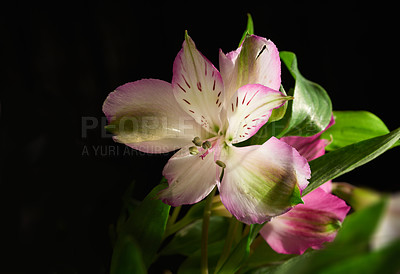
x: 307, y: 225
x: 313, y: 223
x: 204, y: 112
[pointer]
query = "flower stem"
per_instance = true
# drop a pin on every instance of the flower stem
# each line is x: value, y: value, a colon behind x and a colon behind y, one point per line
x: 233, y: 226
x: 174, y: 216
x: 171, y: 229
x: 204, y: 232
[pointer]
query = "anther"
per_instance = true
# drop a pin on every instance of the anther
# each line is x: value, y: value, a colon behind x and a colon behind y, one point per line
x: 193, y: 150
x: 206, y: 145
x: 220, y: 163
x: 197, y: 141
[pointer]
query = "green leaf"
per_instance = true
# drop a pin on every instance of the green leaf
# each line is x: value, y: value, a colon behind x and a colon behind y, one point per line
x: 307, y: 114
x: 295, y: 199
x: 188, y: 240
x: 311, y: 109
x: 353, y: 126
x: 241, y: 252
x: 249, y: 29
x: 279, y: 113
x: 345, y: 159
x: 146, y: 225
x: 237, y: 256
x: 263, y: 255
x: 384, y: 260
x: 127, y: 257
x: 351, y: 241
x: 195, y: 212
x: 192, y: 264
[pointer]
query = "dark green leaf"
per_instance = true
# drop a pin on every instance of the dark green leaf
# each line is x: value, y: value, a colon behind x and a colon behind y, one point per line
x: 384, y: 260
x: 345, y: 159
x: 352, y: 127
x: 188, y: 240
x: 263, y: 255
x: 195, y: 212
x: 237, y: 256
x: 127, y: 257
x: 146, y: 225
x: 240, y: 253
x: 192, y: 264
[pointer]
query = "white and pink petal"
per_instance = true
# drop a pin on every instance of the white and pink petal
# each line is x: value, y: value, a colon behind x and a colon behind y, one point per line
x: 229, y: 71
x: 198, y: 86
x: 190, y: 177
x: 145, y: 115
x: 249, y: 109
x: 255, y: 62
x: 259, y: 181
x: 307, y: 225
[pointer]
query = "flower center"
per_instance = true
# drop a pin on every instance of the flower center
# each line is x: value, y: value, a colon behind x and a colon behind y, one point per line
x: 200, y: 147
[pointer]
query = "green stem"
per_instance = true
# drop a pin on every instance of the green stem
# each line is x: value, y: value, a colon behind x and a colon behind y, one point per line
x: 177, y: 226
x: 233, y: 225
x: 204, y: 232
x: 174, y: 215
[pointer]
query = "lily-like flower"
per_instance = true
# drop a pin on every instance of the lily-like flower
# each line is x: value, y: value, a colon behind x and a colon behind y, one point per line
x: 313, y: 223
x: 204, y: 112
x: 307, y: 225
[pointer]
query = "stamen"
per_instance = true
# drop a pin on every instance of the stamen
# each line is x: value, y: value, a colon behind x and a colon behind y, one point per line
x: 197, y: 141
x: 206, y: 145
x: 193, y: 150
x: 220, y: 163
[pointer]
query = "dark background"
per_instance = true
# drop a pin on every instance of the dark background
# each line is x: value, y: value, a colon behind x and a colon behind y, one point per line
x: 62, y: 181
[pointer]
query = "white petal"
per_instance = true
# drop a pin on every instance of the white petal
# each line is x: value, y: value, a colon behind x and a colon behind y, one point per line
x: 198, y: 86
x: 255, y: 62
x: 191, y: 177
x: 145, y: 115
x: 249, y: 109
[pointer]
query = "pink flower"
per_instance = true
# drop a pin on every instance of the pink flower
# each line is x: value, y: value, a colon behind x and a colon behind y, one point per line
x: 203, y: 113
x: 313, y: 223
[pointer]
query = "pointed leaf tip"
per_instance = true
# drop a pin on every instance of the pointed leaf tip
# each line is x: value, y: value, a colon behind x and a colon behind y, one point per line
x: 249, y: 28
x: 295, y: 199
x: 250, y: 24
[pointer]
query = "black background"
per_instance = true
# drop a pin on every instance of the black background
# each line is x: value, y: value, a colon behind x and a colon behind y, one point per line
x: 59, y: 61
